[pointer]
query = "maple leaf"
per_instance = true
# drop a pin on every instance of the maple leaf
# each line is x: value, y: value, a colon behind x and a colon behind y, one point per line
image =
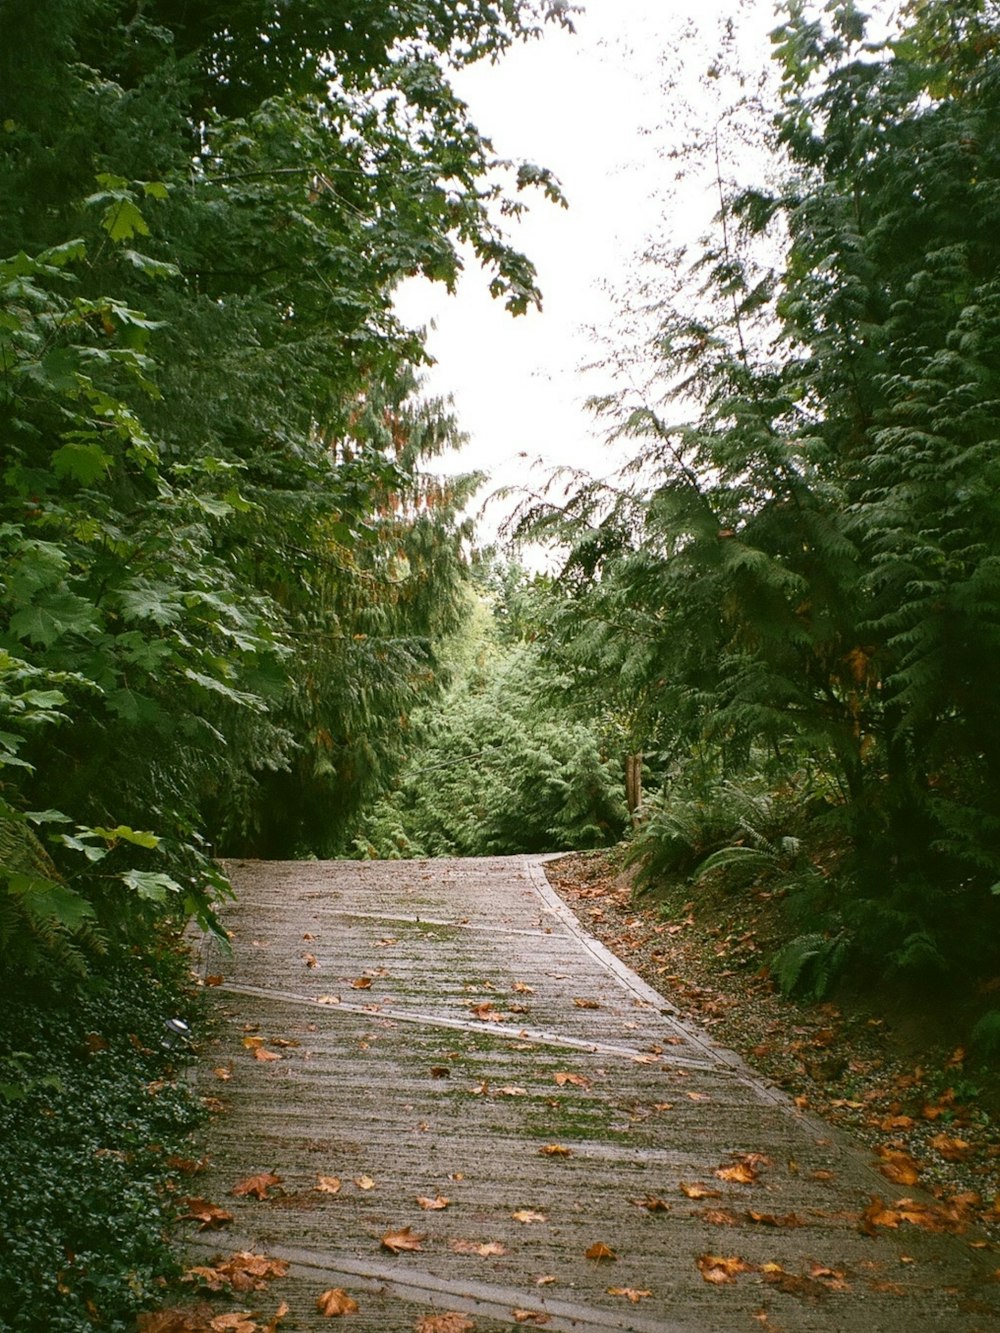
x: 523, y: 988
x: 528, y: 1215
x: 310, y: 960
x: 511, y: 1091
x: 695, y: 1190
x: 285, y: 1042
x: 251, y: 1043
x: 952, y: 1150
x: 329, y: 999
x: 261, y: 1054
x: 223, y: 1072
x: 653, y: 1203
x: 433, y: 1205
x: 487, y: 1012
x: 328, y: 1185
x: 720, y: 1217
x: 899, y: 1167
x: 361, y: 983
x: 774, y: 1220
x: 208, y: 1214
x: 485, y: 1250
x: 398, y: 1241
x: 555, y: 1150
x: 577, y: 1080
x: 740, y: 1173
x: 587, y: 1004
x: 449, y: 1322
x: 600, y: 1251
x: 336, y: 1302
x: 630, y: 1293
x: 700, y: 1096
x: 720, y: 1269
x: 258, y: 1186
x: 538, y: 1317
x: 364, y: 1182
x: 237, y: 1321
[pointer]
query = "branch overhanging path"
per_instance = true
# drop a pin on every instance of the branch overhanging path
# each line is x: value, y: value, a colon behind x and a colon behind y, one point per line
x: 447, y: 1030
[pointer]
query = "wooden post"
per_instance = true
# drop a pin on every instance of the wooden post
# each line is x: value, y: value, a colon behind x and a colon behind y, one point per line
x: 633, y: 786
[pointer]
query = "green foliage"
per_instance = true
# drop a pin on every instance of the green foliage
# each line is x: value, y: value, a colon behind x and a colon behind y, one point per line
x: 797, y: 577
x: 91, y: 1110
x: 498, y: 767
x: 808, y: 965
x: 225, y: 571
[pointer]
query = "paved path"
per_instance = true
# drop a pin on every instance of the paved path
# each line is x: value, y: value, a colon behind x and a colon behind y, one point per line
x: 440, y: 1025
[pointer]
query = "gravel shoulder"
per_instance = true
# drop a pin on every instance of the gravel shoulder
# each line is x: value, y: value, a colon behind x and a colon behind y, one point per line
x: 891, y: 1073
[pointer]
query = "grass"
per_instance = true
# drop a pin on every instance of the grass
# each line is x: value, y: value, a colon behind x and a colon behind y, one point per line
x: 92, y: 1110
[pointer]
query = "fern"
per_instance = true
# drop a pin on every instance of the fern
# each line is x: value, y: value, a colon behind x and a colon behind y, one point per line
x: 808, y: 965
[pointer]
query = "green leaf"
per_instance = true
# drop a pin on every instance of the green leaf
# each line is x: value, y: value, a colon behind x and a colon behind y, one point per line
x: 153, y: 268
x: 125, y: 834
x: 122, y: 220
x: 149, y: 885
x: 84, y: 462
x: 45, y: 899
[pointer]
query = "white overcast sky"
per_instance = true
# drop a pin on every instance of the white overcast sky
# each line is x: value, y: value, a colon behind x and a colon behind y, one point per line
x: 590, y: 107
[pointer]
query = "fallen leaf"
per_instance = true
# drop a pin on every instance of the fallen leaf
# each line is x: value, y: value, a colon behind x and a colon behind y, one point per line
x: 774, y: 1220
x: 398, y: 1241
x: 276, y: 1318
x: 600, y: 1251
x: 310, y: 960
x: 215, y: 980
x: 257, y: 1186
x: 654, y: 1204
x: 952, y: 1150
x: 432, y: 1205
x: 364, y: 1182
x: 695, y: 1190
x: 719, y: 1269
x: 545, y: 1280
x: 285, y: 1042
x: 361, y: 983
x: 577, y: 1080
x: 208, y: 1214
x: 237, y: 1321
x: 487, y: 1012
x: 485, y: 1250
x: 528, y: 1215
x: 700, y: 1096
x: 720, y: 1217
x: 587, y: 1004
x: 328, y: 1185
x: 329, y: 999
x: 897, y: 1166
x: 523, y: 988
x: 261, y: 1054
x: 555, y: 1150
x: 223, y: 1072
x: 440, y: 1071
x: 251, y: 1043
x: 510, y: 1091
x: 336, y: 1302
x: 740, y: 1173
x: 449, y: 1322
x: 630, y: 1293
x: 538, y: 1317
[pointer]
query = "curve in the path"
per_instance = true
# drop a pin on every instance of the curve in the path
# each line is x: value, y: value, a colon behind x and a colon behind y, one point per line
x: 433, y: 1028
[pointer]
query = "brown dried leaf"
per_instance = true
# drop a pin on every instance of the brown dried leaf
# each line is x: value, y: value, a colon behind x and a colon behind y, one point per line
x: 405, y: 1239
x: 208, y: 1214
x: 695, y: 1190
x: 720, y: 1217
x: 587, y: 1004
x: 555, y: 1150
x: 485, y: 1250
x: 361, y: 983
x: 630, y: 1293
x: 257, y: 1186
x: 653, y: 1203
x: 432, y: 1205
x: 952, y: 1150
x: 600, y: 1251
x: 774, y: 1220
x: 364, y: 1182
x: 310, y: 960
x: 261, y: 1054
x: 897, y: 1166
x: 740, y: 1173
x: 537, y: 1317
x: 720, y: 1269
x: 328, y: 1185
x: 577, y: 1080
x: 336, y: 1301
x: 528, y: 1215
x: 251, y: 1043
x: 449, y: 1322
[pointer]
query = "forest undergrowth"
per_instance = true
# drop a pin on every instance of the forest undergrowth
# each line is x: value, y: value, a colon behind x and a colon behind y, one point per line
x: 895, y: 1068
